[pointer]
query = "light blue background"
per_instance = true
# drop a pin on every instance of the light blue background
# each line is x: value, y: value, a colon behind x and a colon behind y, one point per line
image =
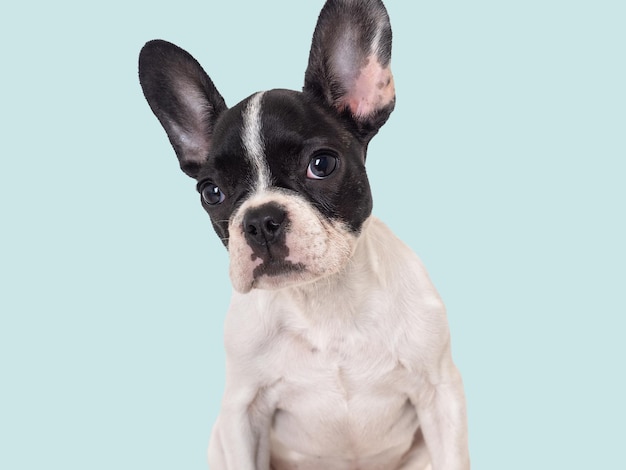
x: 502, y: 166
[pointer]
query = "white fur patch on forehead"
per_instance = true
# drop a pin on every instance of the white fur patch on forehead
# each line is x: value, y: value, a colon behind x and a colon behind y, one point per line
x: 253, y: 141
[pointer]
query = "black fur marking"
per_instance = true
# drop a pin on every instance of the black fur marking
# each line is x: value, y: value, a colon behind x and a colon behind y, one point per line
x: 277, y: 268
x: 228, y: 168
x: 274, y: 256
x: 294, y: 128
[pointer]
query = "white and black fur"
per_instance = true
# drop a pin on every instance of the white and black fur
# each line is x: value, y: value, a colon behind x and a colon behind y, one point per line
x: 337, y: 343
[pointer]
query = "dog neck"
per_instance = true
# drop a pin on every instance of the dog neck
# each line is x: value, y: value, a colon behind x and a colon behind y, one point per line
x: 341, y: 294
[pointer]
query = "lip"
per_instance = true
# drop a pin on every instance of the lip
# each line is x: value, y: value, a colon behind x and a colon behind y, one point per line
x: 273, y: 267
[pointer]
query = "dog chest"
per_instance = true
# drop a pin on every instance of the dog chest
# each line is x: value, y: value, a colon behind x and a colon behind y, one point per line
x: 344, y: 398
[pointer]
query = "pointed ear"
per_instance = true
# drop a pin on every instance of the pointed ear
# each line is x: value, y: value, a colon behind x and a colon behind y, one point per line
x: 183, y: 98
x: 349, y: 64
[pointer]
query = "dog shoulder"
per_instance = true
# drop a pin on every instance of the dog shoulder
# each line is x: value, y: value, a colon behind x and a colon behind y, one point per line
x: 416, y: 306
x: 398, y: 265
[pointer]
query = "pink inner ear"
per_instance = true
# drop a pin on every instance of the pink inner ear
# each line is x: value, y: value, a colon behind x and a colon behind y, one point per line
x: 372, y: 90
x: 194, y: 137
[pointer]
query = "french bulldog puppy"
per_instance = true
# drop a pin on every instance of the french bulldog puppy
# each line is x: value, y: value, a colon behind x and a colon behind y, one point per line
x: 338, y: 347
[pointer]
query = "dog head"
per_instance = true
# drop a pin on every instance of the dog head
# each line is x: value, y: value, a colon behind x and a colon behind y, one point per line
x: 282, y: 173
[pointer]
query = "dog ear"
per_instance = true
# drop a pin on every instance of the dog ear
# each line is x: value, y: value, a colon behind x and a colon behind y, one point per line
x: 349, y: 63
x: 183, y: 98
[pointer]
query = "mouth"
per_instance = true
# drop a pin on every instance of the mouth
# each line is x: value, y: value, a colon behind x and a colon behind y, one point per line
x: 307, y: 247
x: 276, y: 267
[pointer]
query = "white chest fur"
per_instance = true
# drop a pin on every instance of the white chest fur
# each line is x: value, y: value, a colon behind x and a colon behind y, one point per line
x: 331, y: 368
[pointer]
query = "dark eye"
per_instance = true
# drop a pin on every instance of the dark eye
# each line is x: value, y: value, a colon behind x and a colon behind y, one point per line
x: 211, y: 194
x: 321, y: 166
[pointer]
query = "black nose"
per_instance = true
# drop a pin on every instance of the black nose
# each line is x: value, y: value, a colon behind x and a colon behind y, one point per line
x: 264, y: 224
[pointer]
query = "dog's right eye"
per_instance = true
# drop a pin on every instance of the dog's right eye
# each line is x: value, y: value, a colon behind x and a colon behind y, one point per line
x: 211, y: 194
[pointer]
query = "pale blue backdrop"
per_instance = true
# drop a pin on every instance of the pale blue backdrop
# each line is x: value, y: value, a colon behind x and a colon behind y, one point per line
x: 502, y: 166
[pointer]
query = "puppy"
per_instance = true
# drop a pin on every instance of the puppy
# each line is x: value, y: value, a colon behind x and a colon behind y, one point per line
x: 337, y: 343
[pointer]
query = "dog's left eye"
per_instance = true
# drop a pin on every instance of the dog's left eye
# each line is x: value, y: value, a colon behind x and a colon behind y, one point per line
x: 211, y: 194
x: 321, y: 166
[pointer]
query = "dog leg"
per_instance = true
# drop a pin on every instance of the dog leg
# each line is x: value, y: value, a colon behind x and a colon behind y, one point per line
x: 417, y: 458
x: 239, y: 441
x: 441, y: 411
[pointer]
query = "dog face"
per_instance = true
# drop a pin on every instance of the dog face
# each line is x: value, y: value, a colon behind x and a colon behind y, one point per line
x: 285, y: 186
x: 282, y: 173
